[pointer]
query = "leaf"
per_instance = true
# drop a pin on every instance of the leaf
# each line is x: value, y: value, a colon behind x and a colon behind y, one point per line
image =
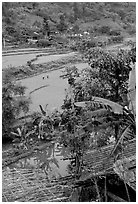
x: 16, y: 140
x: 132, y: 89
x: 19, y: 132
x: 98, y: 113
x: 107, y: 104
x: 82, y: 104
x: 29, y: 133
x: 126, y: 134
x: 15, y: 134
x: 115, y: 107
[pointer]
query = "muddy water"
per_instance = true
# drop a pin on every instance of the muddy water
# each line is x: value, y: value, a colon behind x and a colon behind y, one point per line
x: 52, y: 91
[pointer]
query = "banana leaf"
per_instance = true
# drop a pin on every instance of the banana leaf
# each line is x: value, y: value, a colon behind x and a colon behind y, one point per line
x: 132, y: 90
x: 98, y: 113
x: 126, y: 134
x: 105, y: 103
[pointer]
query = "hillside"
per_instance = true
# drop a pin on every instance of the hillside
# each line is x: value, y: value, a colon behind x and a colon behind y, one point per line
x: 22, y: 18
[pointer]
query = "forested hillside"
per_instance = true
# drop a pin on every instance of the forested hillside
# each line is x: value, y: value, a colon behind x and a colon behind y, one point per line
x: 20, y: 19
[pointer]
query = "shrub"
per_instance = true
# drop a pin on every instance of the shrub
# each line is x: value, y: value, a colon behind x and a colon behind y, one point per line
x: 13, y: 102
x: 43, y: 43
x: 132, y: 31
x: 72, y: 45
x: 86, y: 44
x: 116, y: 39
x: 115, y: 32
x: 104, y: 29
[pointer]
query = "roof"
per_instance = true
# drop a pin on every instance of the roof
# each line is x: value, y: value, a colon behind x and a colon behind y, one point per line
x: 126, y: 170
x: 30, y: 185
x: 99, y: 162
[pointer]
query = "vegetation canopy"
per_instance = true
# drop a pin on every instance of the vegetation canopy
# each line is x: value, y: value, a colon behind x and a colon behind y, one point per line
x: 95, y: 130
x: 13, y: 102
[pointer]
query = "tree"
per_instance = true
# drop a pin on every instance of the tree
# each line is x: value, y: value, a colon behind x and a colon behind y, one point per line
x: 46, y: 27
x: 5, y: 8
x: 104, y: 117
x: 35, y: 5
x: 76, y: 11
x: 83, y: 10
x: 62, y: 26
x: 75, y: 28
x: 96, y: 115
x: 108, y: 74
x: 13, y: 102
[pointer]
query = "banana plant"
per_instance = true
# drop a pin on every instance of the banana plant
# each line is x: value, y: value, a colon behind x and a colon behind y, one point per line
x: 21, y: 137
x: 45, y: 125
x: 108, y: 112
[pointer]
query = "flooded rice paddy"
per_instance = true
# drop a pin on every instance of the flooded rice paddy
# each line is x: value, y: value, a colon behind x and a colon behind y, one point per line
x: 47, y: 88
x: 52, y: 91
x: 18, y: 60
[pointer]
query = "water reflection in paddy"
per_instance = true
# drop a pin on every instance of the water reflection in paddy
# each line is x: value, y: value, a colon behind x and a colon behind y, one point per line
x: 50, y: 160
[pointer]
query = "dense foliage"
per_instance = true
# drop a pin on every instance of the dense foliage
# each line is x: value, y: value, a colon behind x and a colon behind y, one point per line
x: 107, y: 77
x: 22, y: 19
x: 99, y: 108
x: 13, y: 102
x: 94, y: 115
x: 97, y: 121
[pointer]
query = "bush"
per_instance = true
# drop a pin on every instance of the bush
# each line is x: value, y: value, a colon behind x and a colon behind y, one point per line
x: 13, y: 102
x: 104, y: 29
x: 132, y: 31
x: 115, y: 32
x: 43, y: 43
x: 86, y: 44
x: 72, y: 45
x: 116, y: 39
